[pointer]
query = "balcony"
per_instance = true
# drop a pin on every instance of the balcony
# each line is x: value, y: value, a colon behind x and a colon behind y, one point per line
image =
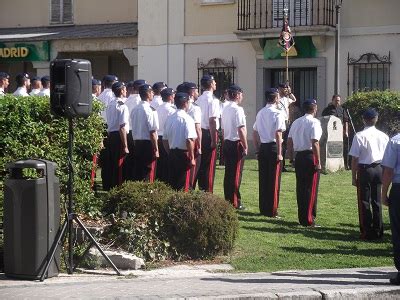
x: 264, y: 18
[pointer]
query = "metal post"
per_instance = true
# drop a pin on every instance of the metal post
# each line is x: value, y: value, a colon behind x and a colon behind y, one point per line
x: 337, y: 47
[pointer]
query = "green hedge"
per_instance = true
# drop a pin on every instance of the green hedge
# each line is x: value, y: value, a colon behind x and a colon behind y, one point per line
x: 155, y: 222
x: 28, y: 130
x: 386, y: 102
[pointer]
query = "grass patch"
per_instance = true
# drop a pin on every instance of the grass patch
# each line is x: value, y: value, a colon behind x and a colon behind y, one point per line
x: 268, y: 245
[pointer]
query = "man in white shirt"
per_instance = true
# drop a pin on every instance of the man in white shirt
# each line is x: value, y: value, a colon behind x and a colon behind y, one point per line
x: 4, y: 82
x: 117, y: 128
x: 210, y: 114
x: 23, y: 84
x: 107, y: 95
x: 157, y: 99
x: 178, y: 137
x: 235, y: 145
x: 144, y: 124
x: 164, y: 110
x: 36, y: 85
x: 267, y: 137
x: 46, y: 86
x: 304, y: 136
x: 96, y: 88
x: 367, y: 152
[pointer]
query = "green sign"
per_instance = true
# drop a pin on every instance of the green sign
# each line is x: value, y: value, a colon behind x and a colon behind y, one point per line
x: 35, y: 51
x: 304, y: 47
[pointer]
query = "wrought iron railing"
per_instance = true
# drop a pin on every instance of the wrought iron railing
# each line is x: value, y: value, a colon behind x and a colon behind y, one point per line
x: 267, y: 14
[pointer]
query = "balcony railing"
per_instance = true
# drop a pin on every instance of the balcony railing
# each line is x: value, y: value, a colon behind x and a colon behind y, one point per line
x: 268, y: 14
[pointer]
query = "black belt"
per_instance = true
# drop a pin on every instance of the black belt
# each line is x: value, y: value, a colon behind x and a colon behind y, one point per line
x: 179, y: 150
x: 373, y: 165
x: 271, y: 143
x: 304, y: 152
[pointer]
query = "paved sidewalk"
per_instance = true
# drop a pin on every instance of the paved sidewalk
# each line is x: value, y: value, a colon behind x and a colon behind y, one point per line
x: 209, y: 282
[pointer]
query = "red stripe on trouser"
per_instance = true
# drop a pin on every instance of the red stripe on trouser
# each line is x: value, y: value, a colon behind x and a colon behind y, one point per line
x: 211, y: 171
x: 120, y: 163
x: 152, y: 171
x: 276, y: 189
x: 360, y: 207
x: 192, y: 172
x: 237, y: 176
x: 187, y: 180
x: 313, y: 195
x: 94, y: 167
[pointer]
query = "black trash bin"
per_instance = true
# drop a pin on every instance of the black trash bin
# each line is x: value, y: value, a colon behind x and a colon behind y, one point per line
x: 31, y: 218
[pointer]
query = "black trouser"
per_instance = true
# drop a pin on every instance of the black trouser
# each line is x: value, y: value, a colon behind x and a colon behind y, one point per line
x: 162, y: 162
x: 194, y: 170
x: 116, y: 159
x: 234, y: 159
x: 307, y: 180
x: 144, y: 160
x: 269, y: 174
x: 394, y: 214
x: 206, y: 173
x: 129, y: 167
x: 179, y: 169
x: 369, y: 184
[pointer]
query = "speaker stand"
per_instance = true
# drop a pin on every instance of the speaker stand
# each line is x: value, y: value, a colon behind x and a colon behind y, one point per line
x: 70, y: 217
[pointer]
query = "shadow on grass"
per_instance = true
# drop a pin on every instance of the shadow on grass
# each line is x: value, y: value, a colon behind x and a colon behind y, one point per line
x: 370, y: 252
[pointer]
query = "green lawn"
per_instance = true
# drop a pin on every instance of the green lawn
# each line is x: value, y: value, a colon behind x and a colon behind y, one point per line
x: 266, y: 244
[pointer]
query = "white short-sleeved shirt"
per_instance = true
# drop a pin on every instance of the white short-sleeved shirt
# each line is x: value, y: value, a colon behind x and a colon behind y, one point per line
x: 232, y: 118
x: 2, y: 91
x: 34, y: 92
x: 143, y: 119
x: 21, y: 91
x: 391, y: 158
x: 209, y: 107
x: 283, y: 106
x: 195, y: 112
x: 132, y: 101
x: 117, y: 115
x: 44, y: 92
x: 179, y: 127
x: 222, y: 105
x: 156, y: 102
x: 269, y: 120
x: 369, y: 145
x: 303, y: 130
x: 106, y: 97
x: 163, y: 111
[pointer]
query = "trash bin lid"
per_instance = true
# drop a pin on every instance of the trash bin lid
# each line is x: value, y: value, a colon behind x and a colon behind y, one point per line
x: 29, y: 163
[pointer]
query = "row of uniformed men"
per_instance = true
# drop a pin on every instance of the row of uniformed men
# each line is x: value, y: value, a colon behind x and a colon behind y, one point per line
x: 25, y: 85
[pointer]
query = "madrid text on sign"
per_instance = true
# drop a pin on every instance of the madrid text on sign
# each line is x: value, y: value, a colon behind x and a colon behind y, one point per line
x: 14, y: 52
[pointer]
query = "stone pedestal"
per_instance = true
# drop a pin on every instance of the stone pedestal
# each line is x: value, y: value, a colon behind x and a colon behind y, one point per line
x: 331, y: 144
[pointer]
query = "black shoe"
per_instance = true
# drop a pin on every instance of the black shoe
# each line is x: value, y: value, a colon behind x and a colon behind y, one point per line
x: 395, y: 280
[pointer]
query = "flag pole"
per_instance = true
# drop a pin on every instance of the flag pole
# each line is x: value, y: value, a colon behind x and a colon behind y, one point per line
x: 287, y: 66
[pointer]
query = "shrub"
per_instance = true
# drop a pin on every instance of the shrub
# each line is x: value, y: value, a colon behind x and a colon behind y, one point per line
x: 386, y: 102
x: 28, y: 130
x: 201, y: 225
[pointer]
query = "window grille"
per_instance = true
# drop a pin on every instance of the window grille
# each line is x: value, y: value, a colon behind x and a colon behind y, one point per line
x: 61, y: 12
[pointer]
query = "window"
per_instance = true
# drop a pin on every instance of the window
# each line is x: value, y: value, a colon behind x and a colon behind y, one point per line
x: 223, y: 72
x: 61, y: 12
x: 299, y: 12
x: 369, y: 72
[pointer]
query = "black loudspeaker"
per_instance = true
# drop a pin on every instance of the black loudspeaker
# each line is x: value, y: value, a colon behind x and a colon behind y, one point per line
x: 71, y: 87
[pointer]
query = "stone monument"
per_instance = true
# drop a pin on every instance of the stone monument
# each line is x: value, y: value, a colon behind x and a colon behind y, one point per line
x: 331, y: 144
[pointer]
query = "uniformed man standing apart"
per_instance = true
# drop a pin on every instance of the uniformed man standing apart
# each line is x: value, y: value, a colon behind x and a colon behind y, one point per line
x: 107, y: 95
x: 178, y: 137
x: 96, y: 89
x: 335, y: 109
x: 391, y: 174
x: 304, y: 136
x: 235, y: 145
x: 23, y: 84
x: 45, y: 86
x: 367, y: 152
x: 209, y: 124
x: 195, y: 112
x: 163, y: 112
x: 36, y: 86
x: 144, y: 124
x: 157, y: 99
x: 286, y: 98
x: 267, y: 138
x: 118, y: 127
x: 4, y: 82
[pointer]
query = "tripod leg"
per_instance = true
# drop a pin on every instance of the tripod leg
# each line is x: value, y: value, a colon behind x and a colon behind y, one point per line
x: 54, y: 249
x: 96, y: 244
x: 82, y: 256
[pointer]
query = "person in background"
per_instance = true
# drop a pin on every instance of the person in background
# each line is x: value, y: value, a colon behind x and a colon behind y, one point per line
x: 367, y: 152
x: 4, y: 82
x: 45, y: 86
x: 23, y: 85
x: 96, y: 88
x: 157, y: 99
x: 36, y: 85
x: 107, y: 94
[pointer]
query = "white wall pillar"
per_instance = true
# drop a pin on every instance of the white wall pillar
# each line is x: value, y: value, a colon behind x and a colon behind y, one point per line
x: 42, y: 68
